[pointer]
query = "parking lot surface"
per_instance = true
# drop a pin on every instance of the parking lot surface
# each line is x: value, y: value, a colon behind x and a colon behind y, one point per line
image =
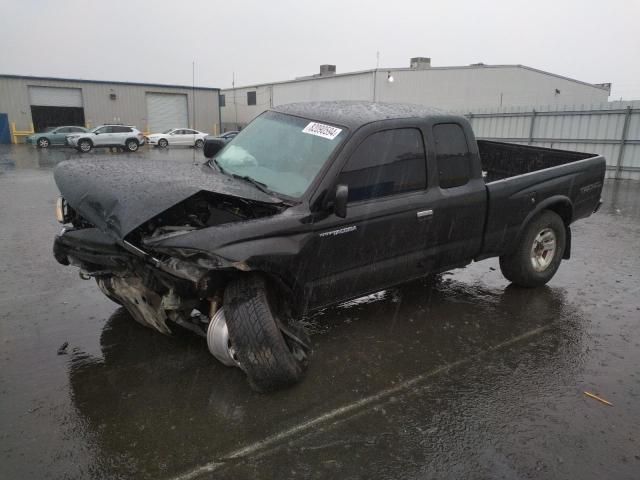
x: 463, y: 376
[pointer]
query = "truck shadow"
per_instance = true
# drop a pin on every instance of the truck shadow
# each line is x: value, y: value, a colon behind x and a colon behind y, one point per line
x: 155, y: 406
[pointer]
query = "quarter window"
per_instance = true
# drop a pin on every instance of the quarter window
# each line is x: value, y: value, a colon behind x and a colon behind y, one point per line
x: 452, y: 155
x: 386, y: 163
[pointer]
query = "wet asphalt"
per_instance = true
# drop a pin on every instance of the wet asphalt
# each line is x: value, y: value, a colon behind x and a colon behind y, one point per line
x: 459, y: 377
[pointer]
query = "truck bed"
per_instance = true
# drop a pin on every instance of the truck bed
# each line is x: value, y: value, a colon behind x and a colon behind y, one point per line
x: 504, y: 160
x: 521, y: 180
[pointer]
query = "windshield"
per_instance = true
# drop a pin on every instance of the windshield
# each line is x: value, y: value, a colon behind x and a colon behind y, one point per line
x: 167, y: 131
x: 50, y: 129
x: 284, y: 153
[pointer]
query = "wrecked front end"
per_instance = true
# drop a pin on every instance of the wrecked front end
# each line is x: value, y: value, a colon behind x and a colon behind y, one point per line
x: 159, y: 284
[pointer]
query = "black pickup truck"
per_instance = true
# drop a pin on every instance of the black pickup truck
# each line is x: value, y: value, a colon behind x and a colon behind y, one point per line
x: 310, y: 205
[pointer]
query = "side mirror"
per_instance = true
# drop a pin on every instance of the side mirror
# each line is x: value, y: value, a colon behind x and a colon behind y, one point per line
x: 340, y: 201
x: 213, y: 146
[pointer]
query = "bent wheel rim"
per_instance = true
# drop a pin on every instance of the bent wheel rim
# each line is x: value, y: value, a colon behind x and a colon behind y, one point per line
x: 543, y: 249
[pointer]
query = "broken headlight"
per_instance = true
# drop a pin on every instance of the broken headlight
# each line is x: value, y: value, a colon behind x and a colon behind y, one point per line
x: 63, y: 212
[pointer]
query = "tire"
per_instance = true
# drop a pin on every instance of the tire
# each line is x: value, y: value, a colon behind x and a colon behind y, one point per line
x: 270, y: 358
x: 43, y: 142
x: 162, y: 143
x: 85, y: 146
x: 199, y: 143
x: 533, y: 263
x: 132, y: 145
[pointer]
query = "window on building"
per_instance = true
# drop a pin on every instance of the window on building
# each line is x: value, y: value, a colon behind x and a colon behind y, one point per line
x: 386, y: 163
x: 251, y: 98
x: 452, y: 155
x: 222, y: 100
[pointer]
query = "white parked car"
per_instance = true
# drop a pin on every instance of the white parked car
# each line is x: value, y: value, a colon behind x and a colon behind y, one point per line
x: 122, y: 136
x: 178, y: 136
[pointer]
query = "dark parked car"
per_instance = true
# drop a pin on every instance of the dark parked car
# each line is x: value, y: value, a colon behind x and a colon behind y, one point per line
x: 311, y: 205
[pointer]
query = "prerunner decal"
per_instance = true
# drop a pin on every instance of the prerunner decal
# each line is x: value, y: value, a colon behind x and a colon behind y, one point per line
x: 322, y: 130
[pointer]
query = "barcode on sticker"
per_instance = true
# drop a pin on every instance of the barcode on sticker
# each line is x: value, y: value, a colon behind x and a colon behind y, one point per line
x: 322, y: 130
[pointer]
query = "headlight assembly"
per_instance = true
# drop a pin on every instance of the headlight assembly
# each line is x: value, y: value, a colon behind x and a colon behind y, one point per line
x: 63, y: 211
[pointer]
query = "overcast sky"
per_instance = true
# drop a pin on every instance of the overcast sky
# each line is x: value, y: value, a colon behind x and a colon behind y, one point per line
x: 157, y: 41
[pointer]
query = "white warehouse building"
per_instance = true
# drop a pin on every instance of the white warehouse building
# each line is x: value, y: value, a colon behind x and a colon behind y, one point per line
x: 459, y: 89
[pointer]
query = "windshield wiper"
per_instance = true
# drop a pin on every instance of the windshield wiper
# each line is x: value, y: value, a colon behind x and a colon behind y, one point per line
x: 259, y: 185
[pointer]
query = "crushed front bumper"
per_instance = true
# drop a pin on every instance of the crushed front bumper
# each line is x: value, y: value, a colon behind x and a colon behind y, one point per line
x: 91, y: 250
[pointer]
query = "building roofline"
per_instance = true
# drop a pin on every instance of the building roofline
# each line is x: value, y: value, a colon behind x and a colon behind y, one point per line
x: 407, y: 69
x: 80, y: 80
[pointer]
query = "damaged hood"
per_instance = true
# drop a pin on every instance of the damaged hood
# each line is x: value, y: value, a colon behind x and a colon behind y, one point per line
x: 117, y: 196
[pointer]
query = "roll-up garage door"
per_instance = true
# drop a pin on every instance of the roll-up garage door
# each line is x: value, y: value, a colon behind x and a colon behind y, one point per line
x: 55, y: 96
x: 166, y: 110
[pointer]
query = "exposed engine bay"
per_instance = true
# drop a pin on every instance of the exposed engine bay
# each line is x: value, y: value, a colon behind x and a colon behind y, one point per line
x: 202, y: 210
x: 156, y: 287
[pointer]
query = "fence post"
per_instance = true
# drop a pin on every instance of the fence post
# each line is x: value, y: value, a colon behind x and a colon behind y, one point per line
x: 533, y: 122
x: 623, y: 140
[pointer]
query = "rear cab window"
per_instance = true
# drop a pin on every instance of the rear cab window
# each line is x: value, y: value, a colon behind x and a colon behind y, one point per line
x: 386, y: 163
x: 453, y: 158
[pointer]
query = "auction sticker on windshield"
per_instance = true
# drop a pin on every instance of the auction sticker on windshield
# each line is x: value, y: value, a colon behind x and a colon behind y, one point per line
x: 322, y: 130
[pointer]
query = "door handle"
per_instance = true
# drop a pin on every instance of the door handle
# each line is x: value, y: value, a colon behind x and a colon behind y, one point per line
x: 424, y: 213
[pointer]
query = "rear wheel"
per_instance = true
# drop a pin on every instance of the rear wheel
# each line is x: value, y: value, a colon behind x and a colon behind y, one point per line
x: 539, y: 253
x: 199, y: 143
x: 132, y: 145
x: 85, y: 146
x: 43, y: 143
x: 270, y: 347
x: 162, y: 143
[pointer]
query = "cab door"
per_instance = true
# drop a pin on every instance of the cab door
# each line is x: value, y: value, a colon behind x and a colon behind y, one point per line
x: 103, y: 136
x: 381, y: 240
x: 457, y: 197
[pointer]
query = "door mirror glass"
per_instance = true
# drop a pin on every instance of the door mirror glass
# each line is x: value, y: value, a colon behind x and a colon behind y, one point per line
x: 212, y: 146
x: 340, y: 201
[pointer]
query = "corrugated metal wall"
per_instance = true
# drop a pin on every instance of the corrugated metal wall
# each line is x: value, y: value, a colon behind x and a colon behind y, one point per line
x: 611, y: 129
x: 129, y: 106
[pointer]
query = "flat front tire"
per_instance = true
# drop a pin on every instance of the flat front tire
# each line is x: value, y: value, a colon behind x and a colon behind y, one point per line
x: 271, y: 348
x: 539, y: 252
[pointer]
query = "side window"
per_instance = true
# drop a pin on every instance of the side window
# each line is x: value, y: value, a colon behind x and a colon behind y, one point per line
x: 117, y: 129
x: 104, y: 130
x: 76, y: 130
x: 251, y: 98
x: 64, y: 130
x: 452, y: 155
x: 386, y: 163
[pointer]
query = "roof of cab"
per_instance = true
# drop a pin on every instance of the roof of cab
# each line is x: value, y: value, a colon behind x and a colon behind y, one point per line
x: 354, y: 114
